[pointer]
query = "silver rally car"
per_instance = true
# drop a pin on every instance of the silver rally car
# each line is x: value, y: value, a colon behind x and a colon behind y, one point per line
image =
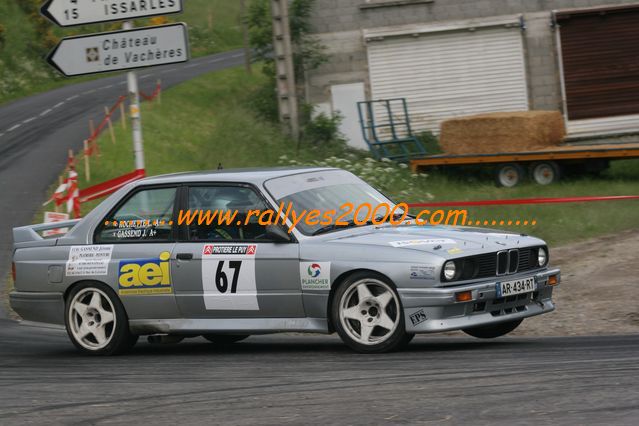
x: 112, y: 277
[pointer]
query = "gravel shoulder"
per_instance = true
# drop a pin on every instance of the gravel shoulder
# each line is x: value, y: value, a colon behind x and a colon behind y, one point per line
x: 597, y: 295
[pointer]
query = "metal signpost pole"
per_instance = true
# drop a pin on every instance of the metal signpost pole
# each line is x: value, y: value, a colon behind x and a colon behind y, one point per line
x: 134, y: 108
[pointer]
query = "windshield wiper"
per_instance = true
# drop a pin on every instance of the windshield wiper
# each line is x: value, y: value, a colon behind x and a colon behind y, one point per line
x: 352, y: 223
x: 333, y: 227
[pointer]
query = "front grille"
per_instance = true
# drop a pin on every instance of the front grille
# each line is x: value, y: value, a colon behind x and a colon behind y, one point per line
x: 500, y: 263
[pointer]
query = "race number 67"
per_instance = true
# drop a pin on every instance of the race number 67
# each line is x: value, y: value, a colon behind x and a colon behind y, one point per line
x: 221, y: 278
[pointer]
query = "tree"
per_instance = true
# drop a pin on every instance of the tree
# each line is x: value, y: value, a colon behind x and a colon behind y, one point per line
x: 309, y: 53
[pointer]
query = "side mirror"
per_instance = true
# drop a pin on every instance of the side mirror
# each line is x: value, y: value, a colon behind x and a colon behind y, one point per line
x: 277, y: 234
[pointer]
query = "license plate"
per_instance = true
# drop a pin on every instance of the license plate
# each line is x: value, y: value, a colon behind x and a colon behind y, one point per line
x: 510, y: 288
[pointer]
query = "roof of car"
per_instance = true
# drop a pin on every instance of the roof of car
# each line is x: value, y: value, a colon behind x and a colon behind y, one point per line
x: 249, y: 175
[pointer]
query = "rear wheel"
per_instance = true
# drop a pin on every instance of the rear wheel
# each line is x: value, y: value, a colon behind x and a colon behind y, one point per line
x: 509, y: 175
x: 367, y: 314
x: 224, y: 339
x: 493, y: 330
x: 545, y: 173
x: 96, y: 321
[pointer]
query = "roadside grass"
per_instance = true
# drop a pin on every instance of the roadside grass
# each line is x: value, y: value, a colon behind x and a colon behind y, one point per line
x: 208, y: 121
x: 556, y: 223
x: 24, y: 71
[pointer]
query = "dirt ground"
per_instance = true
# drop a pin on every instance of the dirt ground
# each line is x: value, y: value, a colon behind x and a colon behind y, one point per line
x: 599, y: 292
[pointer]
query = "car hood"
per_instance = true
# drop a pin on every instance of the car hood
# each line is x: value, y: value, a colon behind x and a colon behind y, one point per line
x: 444, y: 241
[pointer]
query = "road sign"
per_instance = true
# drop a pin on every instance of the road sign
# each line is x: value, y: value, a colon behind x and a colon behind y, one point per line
x: 67, y: 13
x: 121, y: 50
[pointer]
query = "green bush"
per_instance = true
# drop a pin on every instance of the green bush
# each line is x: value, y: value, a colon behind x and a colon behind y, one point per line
x: 430, y: 142
x: 320, y: 129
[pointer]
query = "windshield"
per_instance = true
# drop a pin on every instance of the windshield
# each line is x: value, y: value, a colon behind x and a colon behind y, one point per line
x: 331, y: 193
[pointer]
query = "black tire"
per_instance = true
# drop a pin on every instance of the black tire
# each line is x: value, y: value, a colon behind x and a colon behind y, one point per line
x: 494, y: 330
x: 407, y: 339
x: 225, y: 339
x: 119, y: 338
x: 545, y: 172
x: 394, y: 339
x: 509, y: 175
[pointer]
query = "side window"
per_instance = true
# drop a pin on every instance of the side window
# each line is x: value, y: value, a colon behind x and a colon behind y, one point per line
x: 223, y: 213
x: 146, y: 216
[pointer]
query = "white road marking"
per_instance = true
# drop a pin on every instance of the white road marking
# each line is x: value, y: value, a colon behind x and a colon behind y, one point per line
x: 216, y: 60
x: 45, y: 112
x: 1, y: 135
x: 146, y: 76
x: 191, y: 66
x: 73, y: 97
x: 28, y: 120
x: 238, y: 55
x: 11, y: 129
x: 109, y: 86
x: 122, y: 83
x: 59, y: 104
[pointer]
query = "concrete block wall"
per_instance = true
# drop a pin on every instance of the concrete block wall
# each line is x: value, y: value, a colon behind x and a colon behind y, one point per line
x: 339, y: 24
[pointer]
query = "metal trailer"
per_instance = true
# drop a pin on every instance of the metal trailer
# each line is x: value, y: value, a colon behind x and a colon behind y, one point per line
x: 544, y: 166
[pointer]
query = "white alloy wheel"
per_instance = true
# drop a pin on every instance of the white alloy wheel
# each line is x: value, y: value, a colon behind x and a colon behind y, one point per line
x: 369, y: 311
x: 92, y: 319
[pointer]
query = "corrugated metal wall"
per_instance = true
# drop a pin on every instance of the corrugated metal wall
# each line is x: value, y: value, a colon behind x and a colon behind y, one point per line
x: 600, y: 54
x: 451, y: 74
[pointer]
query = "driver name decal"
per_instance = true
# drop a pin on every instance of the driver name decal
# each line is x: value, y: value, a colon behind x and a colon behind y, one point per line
x: 88, y: 260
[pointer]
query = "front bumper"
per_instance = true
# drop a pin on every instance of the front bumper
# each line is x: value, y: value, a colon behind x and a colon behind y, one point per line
x: 38, y: 307
x: 432, y: 310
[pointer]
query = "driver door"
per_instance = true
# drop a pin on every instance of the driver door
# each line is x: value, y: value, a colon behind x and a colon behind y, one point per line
x: 226, y: 267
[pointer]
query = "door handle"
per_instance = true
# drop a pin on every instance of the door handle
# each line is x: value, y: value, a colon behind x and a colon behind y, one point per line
x: 184, y: 256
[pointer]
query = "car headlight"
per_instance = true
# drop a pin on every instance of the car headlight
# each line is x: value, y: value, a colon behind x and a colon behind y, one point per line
x: 450, y: 270
x: 542, y: 257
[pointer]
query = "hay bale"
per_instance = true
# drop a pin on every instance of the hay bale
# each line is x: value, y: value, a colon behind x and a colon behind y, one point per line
x: 502, y: 132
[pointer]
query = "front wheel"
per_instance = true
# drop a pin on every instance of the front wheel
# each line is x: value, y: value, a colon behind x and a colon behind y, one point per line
x: 96, y: 321
x: 494, y: 330
x: 367, y: 314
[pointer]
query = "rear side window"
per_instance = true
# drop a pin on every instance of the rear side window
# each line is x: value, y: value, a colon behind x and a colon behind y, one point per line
x: 145, y: 217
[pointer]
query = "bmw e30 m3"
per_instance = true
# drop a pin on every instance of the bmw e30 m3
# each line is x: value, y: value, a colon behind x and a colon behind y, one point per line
x: 375, y: 285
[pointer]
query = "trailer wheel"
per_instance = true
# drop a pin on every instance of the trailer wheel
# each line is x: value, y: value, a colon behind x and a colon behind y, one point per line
x: 509, y: 174
x: 545, y: 173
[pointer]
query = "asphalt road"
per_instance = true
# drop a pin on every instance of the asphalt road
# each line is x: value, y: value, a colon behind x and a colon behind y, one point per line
x: 291, y: 379
x: 36, y: 133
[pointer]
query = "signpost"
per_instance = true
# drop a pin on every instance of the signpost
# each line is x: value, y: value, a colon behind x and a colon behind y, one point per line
x: 121, y: 50
x: 127, y: 49
x: 67, y: 13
